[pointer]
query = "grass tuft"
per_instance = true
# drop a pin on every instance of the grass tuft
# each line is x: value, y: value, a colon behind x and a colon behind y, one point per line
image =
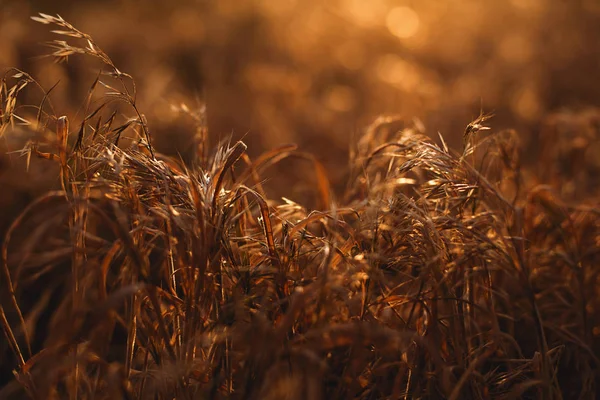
x: 436, y: 274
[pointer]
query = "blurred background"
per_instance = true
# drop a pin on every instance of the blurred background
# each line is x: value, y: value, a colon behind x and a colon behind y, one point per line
x: 316, y: 73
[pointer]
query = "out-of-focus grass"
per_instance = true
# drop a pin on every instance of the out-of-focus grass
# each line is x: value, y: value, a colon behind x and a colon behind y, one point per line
x: 313, y: 72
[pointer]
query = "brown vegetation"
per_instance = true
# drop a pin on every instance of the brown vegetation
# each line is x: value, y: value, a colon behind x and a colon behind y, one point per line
x: 434, y: 274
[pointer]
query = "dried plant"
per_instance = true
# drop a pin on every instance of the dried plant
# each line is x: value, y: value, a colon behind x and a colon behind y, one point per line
x: 429, y: 278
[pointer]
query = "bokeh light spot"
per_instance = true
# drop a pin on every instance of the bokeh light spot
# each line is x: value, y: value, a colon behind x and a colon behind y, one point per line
x: 365, y: 12
x: 526, y: 104
x: 398, y: 72
x: 403, y: 22
x: 340, y: 98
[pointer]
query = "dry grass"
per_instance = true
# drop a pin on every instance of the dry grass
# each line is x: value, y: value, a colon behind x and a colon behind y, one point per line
x: 435, y: 275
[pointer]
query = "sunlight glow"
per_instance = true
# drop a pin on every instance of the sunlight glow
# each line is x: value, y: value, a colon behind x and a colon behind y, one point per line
x: 403, y: 22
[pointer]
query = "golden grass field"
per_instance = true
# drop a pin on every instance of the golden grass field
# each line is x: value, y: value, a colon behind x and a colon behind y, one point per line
x: 263, y: 199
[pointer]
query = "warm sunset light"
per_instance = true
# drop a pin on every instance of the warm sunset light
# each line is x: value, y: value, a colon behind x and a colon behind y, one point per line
x: 402, y: 22
x: 299, y: 199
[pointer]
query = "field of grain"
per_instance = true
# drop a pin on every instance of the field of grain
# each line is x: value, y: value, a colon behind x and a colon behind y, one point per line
x: 306, y: 200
